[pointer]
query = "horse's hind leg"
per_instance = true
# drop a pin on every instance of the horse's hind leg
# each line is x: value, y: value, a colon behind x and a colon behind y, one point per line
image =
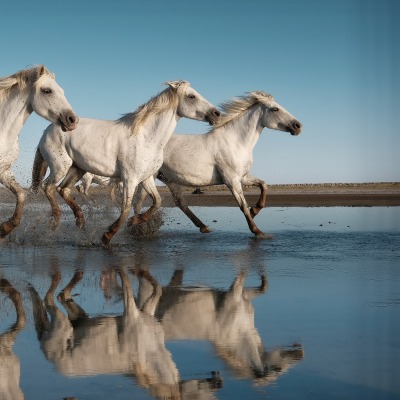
x: 150, y: 187
x: 84, y: 187
x: 10, y: 183
x: 74, y: 174
x: 74, y: 311
x: 65, y: 293
x: 249, y: 180
x: 177, y: 195
x: 235, y: 187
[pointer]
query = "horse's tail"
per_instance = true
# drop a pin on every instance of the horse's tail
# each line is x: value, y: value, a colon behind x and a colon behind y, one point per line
x: 38, y: 171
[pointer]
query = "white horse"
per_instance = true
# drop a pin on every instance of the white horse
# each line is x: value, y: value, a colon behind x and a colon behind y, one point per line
x: 130, y: 149
x: 33, y: 89
x: 114, y: 184
x: 224, y: 155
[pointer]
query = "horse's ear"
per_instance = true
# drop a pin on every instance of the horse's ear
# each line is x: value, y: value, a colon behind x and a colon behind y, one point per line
x: 175, y: 84
x: 260, y: 96
x: 42, y: 70
x: 8, y: 82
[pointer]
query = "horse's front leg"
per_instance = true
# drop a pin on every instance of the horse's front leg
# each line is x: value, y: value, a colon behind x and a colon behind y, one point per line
x: 10, y: 183
x: 250, y: 180
x: 150, y: 187
x: 130, y: 308
x: 128, y: 191
x: 74, y: 174
x: 140, y: 195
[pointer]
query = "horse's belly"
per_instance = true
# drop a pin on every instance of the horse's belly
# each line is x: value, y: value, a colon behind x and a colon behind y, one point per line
x: 195, y: 177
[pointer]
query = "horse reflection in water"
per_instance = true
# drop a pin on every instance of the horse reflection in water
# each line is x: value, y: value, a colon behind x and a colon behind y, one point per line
x: 226, y: 319
x: 131, y: 344
x: 9, y: 363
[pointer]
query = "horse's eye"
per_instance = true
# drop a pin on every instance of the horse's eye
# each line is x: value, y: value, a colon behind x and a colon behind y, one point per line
x: 274, y: 109
x: 47, y: 91
x: 191, y: 96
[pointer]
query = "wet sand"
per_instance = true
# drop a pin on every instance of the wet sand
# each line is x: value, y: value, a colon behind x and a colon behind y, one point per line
x: 302, y: 195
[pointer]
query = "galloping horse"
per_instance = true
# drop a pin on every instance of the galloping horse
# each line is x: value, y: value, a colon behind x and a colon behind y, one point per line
x: 224, y: 155
x: 33, y: 89
x: 130, y: 148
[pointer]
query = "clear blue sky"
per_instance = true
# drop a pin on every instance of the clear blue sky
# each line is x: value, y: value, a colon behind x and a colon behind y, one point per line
x: 333, y: 64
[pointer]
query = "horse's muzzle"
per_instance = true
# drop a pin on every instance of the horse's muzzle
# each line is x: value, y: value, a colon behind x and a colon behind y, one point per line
x: 213, y: 117
x: 295, y: 128
x: 68, y: 121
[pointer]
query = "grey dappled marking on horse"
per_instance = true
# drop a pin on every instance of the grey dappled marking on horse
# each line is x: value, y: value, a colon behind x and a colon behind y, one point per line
x: 129, y: 149
x: 27, y: 91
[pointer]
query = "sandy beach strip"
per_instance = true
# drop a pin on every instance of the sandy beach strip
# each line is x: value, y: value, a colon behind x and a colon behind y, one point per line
x: 318, y: 195
x: 298, y: 195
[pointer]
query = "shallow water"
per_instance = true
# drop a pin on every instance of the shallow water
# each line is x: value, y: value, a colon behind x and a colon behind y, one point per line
x: 311, y: 313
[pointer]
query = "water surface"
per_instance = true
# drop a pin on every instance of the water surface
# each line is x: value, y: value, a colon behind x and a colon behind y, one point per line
x: 311, y: 313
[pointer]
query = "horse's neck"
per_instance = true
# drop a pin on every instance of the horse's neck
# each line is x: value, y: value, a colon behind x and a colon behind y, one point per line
x: 13, y: 114
x: 159, y: 128
x: 245, y: 130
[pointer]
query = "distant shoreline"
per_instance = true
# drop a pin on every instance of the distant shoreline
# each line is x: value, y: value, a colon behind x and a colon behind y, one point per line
x: 385, y: 194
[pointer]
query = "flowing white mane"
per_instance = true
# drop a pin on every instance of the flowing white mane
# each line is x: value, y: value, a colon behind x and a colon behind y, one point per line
x: 237, y: 106
x: 168, y: 98
x: 22, y: 79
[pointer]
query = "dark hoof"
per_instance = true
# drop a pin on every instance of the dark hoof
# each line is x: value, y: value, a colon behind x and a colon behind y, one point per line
x: 5, y: 229
x: 105, y: 240
x: 262, y: 235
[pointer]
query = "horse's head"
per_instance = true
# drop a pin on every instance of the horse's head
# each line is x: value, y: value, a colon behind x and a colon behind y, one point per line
x: 47, y: 99
x: 275, y: 116
x: 276, y: 362
x: 192, y: 104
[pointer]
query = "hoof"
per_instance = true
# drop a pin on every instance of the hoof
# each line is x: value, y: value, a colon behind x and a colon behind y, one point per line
x: 262, y: 235
x: 5, y: 229
x: 80, y: 223
x: 205, y: 229
x: 62, y: 298
x: 138, y: 219
x: 105, y: 240
x: 130, y: 221
x: 54, y: 224
x: 254, y: 211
